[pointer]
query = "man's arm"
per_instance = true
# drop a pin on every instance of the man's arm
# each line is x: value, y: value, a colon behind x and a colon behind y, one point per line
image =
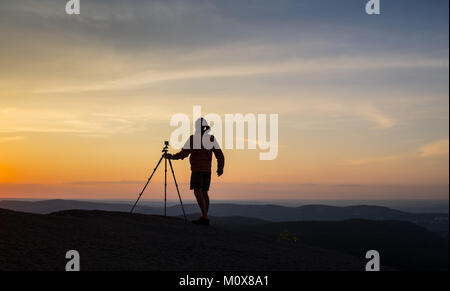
x: 185, y: 151
x: 220, y: 160
x: 180, y: 155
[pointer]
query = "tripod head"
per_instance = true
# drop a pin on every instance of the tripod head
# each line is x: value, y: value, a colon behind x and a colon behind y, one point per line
x: 166, y: 147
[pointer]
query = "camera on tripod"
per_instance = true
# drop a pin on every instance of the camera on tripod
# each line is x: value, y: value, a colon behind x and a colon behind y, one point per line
x: 166, y: 147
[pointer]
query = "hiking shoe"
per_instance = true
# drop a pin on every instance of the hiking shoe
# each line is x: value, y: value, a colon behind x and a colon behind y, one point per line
x: 201, y: 221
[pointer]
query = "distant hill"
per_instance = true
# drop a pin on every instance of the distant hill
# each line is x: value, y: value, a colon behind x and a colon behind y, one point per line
x: 120, y: 241
x: 54, y: 205
x: 401, y: 245
x: 436, y: 222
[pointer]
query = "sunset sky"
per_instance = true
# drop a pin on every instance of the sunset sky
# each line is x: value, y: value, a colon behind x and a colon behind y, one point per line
x: 363, y: 104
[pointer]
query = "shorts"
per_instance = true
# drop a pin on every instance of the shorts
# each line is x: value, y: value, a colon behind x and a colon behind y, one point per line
x: 200, y: 180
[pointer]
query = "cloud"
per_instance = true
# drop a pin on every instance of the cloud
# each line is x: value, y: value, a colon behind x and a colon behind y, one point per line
x: 11, y: 138
x: 87, y: 183
x: 135, y: 117
x: 340, y: 107
x: 380, y: 120
x: 372, y: 160
x: 435, y: 149
x: 297, y: 66
x: 110, y: 121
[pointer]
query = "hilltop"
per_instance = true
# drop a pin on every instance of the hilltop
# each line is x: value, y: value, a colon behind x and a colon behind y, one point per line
x: 121, y: 241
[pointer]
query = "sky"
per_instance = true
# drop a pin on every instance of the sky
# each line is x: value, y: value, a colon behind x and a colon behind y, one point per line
x: 86, y: 100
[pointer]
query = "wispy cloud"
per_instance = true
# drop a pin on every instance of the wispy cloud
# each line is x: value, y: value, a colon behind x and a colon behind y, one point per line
x: 87, y: 183
x: 380, y: 120
x: 435, y: 149
x: 292, y: 66
x: 372, y: 160
x: 11, y: 138
x: 339, y: 107
x: 131, y: 119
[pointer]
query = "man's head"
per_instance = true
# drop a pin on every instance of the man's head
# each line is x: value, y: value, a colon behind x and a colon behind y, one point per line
x: 201, y: 124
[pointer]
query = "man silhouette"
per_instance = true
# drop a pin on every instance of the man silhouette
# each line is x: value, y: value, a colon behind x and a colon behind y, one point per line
x: 200, y: 147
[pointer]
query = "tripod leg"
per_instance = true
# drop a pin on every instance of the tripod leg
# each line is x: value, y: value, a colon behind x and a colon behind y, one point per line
x: 146, y: 184
x: 165, y: 187
x: 178, y: 191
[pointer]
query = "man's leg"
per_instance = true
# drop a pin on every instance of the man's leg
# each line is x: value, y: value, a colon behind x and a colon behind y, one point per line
x: 201, y: 202
x: 206, y: 197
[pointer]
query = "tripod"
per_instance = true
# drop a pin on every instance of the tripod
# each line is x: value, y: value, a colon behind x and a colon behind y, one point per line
x: 163, y: 156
